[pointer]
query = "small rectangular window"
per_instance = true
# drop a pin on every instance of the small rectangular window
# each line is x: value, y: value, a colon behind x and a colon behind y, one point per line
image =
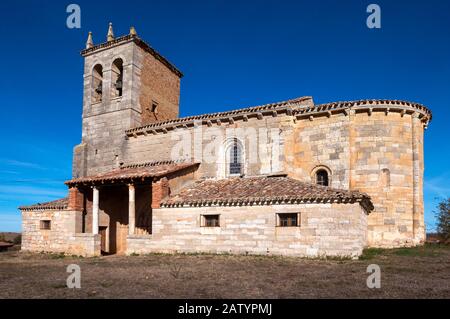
x: 46, y: 225
x: 288, y: 220
x: 210, y: 221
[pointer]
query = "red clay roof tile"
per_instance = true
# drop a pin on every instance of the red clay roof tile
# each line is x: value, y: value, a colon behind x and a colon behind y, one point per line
x: 134, y: 171
x: 262, y: 190
x: 55, y: 204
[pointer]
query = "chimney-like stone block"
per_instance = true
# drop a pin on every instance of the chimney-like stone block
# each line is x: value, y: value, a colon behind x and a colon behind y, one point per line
x: 160, y: 190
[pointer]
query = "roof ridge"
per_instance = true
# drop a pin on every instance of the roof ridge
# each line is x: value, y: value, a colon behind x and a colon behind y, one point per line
x: 153, y: 163
x: 204, y: 192
x: 285, y: 176
x: 369, y: 105
x: 60, y: 203
x: 372, y: 101
x: 151, y: 170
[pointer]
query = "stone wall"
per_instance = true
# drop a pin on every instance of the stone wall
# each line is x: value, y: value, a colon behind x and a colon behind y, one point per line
x: 382, y: 165
x: 377, y: 152
x: 320, y: 141
x: 325, y: 230
x: 104, y: 140
x: 157, y: 85
x: 258, y: 136
x: 64, y: 236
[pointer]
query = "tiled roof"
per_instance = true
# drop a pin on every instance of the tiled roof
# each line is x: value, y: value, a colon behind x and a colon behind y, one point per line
x: 134, y: 171
x: 296, y: 107
x: 267, y: 190
x: 374, y: 102
x: 367, y: 104
x: 56, y: 204
x: 139, y: 42
x: 226, y: 114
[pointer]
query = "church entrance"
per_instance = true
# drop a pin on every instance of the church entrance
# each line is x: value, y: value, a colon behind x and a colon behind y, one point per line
x: 113, y: 218
x: 111, y: 207
x: 121, y: 239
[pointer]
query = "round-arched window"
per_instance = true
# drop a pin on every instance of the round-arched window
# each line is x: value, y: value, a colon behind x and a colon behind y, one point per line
x: 117, y: 77
x: 234, y: 158
x: 97, y: 83
x: 322, y: 177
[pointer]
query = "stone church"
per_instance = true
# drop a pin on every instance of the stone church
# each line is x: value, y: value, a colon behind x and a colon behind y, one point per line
x: 285, y: 178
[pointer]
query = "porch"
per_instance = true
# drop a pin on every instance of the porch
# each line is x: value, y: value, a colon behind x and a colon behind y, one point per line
x: 117, y: 206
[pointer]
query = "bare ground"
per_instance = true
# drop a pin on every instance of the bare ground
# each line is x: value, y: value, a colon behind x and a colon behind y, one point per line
x: 406, y: 273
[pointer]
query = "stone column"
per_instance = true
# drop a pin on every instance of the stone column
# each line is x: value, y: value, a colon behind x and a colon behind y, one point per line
x: 106, y: 94
x: 131, y: 210
x: 95, y: 210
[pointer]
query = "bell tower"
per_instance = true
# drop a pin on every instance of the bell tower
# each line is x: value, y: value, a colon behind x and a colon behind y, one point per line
x: 126, y: 84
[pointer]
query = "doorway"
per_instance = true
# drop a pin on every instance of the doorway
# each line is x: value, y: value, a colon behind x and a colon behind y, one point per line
x: 102, y: 230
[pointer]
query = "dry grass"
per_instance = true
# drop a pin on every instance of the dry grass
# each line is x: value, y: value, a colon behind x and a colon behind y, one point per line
x: 406, y: 273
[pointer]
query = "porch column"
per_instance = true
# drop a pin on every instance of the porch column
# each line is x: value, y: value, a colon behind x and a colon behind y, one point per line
x: 131, y: 210
x: 95, y: 210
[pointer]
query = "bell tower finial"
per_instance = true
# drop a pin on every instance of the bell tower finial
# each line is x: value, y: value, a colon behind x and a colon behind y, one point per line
x: 110, y: 35
x: 89, y: 42
x: 133, y: 31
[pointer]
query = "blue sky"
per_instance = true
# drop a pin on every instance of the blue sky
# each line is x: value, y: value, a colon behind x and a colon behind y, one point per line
x: 233, y: 54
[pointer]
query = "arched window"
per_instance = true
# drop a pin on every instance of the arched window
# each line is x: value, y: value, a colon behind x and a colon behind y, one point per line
x: 97, y: 83
x: 322, y: 177
x: 117, y: 77
x: 234, y: 158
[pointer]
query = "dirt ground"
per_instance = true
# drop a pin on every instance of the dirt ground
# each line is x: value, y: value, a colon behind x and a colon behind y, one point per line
x: 405, y: 273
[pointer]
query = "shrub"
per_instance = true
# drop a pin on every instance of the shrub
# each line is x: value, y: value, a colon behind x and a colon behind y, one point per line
x: 17, y: 240
x: 443, y: 218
